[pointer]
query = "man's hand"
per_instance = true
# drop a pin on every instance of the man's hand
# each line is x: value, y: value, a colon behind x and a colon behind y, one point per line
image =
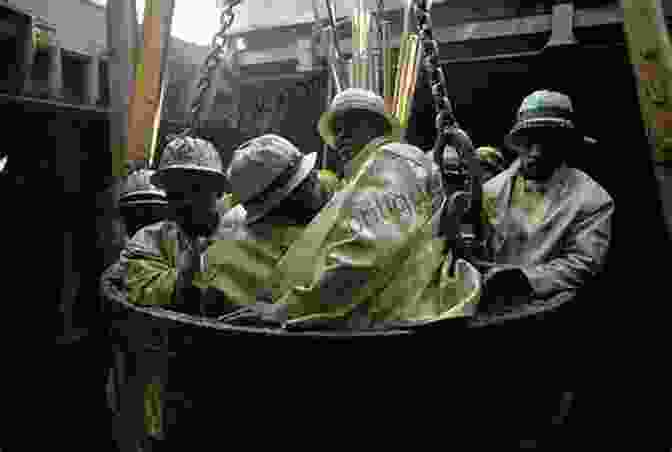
x: 189, y: 263
x: 505, y: 287
x: 260, y: 313
x: 192, y: 260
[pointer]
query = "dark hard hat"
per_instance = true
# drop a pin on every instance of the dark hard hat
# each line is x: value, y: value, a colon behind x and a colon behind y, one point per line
x: 548, y: 110
x: 138, y: 189
x: 187, y: 157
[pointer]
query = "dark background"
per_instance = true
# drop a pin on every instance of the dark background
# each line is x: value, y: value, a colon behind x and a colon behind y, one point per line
x: 611, y: 336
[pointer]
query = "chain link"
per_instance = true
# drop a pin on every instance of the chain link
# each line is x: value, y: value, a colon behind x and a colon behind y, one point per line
x: 445, y: 116
x: 380, y: 17
x: 334, y: 35
x: 219, y: 42
x: 446, y: 122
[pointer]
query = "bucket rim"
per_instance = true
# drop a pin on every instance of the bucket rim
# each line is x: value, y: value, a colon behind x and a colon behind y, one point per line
x: 180, y: 318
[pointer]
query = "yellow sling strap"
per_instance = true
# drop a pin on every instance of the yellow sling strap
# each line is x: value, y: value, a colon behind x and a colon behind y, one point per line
x: 297, y: 267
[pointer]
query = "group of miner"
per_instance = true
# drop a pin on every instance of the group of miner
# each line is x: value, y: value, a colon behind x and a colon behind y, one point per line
x: 360, y: 248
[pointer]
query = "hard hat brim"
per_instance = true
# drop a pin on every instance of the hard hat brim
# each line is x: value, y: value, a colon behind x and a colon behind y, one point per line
x: 256, y: 210
x: 520, y: 129
x: 325, y: 125
x: 173, y: 175
x: 146, y: 201
x: 132, y: 194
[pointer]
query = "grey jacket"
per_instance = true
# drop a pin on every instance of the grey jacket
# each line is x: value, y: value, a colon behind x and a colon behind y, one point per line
x: 559, y: 245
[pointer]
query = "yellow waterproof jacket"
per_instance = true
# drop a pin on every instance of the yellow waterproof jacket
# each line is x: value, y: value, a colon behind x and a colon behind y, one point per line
x: 380, y: 222
x: 246, y: 260
x: 240, y: 258
x: 424, y: 290
x: 155, y: 255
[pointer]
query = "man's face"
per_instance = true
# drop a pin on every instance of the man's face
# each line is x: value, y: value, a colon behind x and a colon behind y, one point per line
x: 304, y: 202
x: 138, y: 216
x: 542, y: 152
x: 354, y: 129
x: 191, y: 202
x: 311, y: 193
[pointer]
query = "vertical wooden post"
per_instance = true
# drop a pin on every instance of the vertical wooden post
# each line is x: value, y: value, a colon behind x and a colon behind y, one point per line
x: 146, y: 95
x: 157, y: 120
x: 651, y: 56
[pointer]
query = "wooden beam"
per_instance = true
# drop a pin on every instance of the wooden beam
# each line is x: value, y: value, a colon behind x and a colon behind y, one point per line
x: 294, y: 76
x: 49, y: 104
x: 6, y: 5
x: 272, y: 55
x: 492, y: 29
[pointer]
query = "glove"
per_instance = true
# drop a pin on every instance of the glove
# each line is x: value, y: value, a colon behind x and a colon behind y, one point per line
x: 506, y: 287
x: 261, y: 314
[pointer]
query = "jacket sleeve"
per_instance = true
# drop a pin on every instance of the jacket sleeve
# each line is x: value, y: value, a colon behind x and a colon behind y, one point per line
x: 150, y: 268
x: 582, y: 254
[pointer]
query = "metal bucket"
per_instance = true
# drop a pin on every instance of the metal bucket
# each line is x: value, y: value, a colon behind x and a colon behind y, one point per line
x: 240, y: 372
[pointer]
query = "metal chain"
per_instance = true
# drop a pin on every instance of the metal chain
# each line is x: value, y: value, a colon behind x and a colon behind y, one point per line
x: 445, y: 117
x: 381, y: 8
x: 334, y: 35
x: 468, y: 171
x: 212, y: 62
x: 380, y: 17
